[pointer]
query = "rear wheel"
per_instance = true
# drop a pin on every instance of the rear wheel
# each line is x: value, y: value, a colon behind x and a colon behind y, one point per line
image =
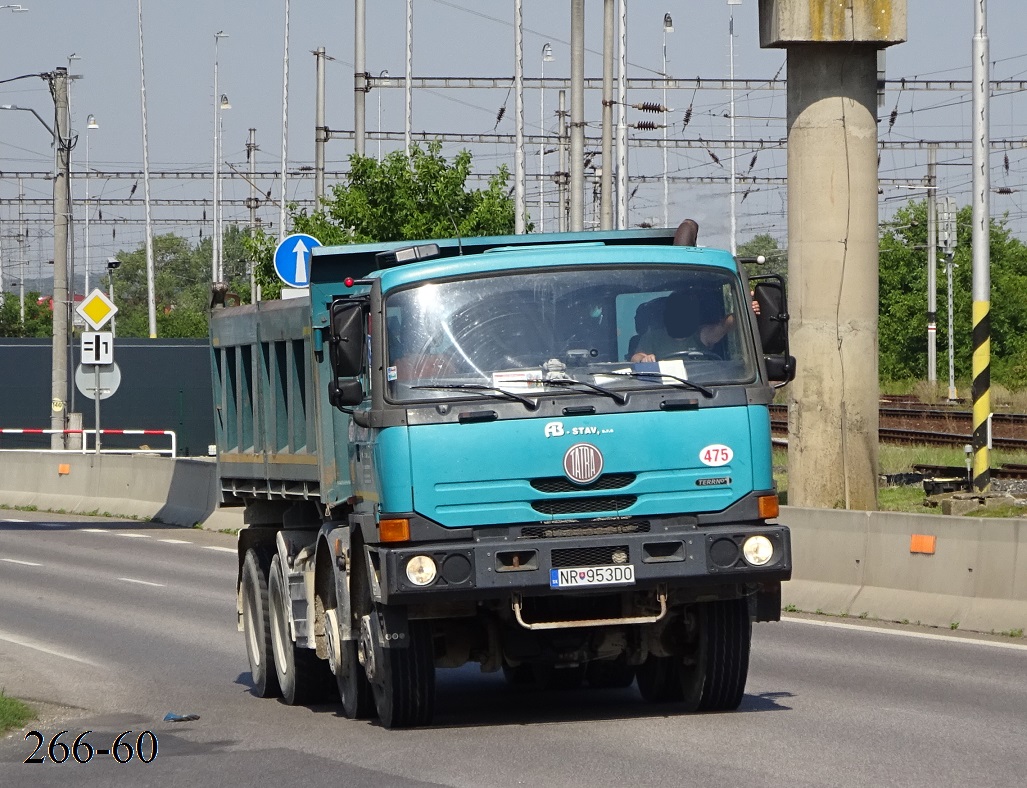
x: 354, y: 688
x: 256, y: 624
x: 302, y: 677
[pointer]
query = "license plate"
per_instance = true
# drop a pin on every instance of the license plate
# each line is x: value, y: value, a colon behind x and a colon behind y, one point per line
x: 582, y: 576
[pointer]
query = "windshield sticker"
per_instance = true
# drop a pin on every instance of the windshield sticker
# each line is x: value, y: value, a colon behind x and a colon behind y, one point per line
x: 518, y: 381
x: 390, y: 374
x: 715, y: 455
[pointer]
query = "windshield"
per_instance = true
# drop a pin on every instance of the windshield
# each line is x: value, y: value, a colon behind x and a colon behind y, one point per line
x: 523, y: 331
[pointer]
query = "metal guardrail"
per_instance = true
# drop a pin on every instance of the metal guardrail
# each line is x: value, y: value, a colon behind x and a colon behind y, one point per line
x: 171, y: 452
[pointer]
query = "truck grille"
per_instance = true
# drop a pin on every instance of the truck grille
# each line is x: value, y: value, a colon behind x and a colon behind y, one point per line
x: 591, y: 556
x: 581, y: 529
x: 610, y: 503
x: 559, y: 484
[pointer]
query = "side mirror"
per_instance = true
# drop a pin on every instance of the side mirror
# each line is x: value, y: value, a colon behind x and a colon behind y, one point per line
x: 780, y: 369
x: 772, y: 321
x: 342, y: 393
x: 346, y: 338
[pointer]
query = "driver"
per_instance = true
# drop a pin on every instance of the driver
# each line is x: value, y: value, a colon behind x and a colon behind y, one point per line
x: 682, y: 330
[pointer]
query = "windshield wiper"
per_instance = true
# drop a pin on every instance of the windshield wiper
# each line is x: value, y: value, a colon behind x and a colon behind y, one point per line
x: 619, y: 398
x: 479, y: 388
x: 686, y: 383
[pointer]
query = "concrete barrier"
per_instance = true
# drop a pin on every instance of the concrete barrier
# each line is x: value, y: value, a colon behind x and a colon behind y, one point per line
x: 845, y: 562
x: 866, y: 564
x: 180, y: 491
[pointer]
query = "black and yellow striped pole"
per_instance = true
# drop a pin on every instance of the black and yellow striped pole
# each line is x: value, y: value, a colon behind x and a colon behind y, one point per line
x: 981, y: 390
x: 981, y: 251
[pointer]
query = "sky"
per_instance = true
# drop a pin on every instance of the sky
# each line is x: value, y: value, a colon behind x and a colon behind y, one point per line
x: 451, y: 38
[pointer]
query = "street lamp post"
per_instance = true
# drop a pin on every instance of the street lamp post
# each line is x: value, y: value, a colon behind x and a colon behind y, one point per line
x: 112, y: 264
x: 61, y: 203
x: 547, y: 57
x: 90, y: 124
x: 668, y: 27
x: 215, y: 236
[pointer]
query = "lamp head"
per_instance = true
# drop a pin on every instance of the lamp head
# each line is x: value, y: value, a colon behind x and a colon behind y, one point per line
x: 225, y: 103
x: 547, y: 53
x: 112, y: 263
x: 668, y: 24
x: 91, y: 122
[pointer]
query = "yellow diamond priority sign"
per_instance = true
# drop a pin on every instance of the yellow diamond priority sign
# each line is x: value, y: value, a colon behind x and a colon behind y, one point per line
x: 96, y: 309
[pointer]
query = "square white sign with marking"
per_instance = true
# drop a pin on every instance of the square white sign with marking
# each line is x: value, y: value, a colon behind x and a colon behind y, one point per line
x: 97, y: 347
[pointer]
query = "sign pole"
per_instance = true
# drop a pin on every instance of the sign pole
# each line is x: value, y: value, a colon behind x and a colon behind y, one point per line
x: 96, y: 402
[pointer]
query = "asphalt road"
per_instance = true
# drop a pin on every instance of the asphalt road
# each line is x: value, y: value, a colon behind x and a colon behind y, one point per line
x: 121, y: 623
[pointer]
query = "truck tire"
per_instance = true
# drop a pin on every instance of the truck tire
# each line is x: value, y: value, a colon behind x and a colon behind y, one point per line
x: 404, y: 685
x: 659, y: 679
x: 302, y: 677
x: 256, y: 624
x: 715, y: 679
x: 354, y: 688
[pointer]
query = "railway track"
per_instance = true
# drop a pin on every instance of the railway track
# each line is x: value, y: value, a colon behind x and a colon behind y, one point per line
x: 931, y: 425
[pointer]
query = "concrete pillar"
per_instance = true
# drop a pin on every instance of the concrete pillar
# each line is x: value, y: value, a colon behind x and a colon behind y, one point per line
x: 832, y: 240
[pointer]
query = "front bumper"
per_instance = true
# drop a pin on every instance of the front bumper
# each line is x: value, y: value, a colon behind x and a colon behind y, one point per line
x: 495, y: 568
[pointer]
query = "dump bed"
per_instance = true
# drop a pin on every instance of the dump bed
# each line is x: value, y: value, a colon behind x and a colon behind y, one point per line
x: 266, y: 400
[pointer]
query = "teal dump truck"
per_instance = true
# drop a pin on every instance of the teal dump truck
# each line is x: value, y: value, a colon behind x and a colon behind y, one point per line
x: 546, y: 454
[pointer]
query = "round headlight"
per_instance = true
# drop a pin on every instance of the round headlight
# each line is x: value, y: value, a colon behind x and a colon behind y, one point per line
x: 758, y: 550
x: 421, y: 570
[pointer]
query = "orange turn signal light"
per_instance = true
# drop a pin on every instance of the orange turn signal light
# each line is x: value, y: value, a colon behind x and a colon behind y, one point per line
x: 769, y: 507
x: 397, y: 530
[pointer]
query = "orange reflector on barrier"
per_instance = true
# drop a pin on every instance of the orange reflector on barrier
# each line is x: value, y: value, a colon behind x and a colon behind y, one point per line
x: 769, y: 507
x: 394, y: 530
x: 64, y: 469
x: 922, y: 543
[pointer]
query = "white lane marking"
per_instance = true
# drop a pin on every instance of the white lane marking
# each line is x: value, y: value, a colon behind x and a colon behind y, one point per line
x: 905, y: 634
x: 94, y: 531
x: 16, y: 561
x: 222, y: 549
x: 45, y: 649
x: 141, y: 582
x: 134, y: 536
x: 13, y: 520
x: 174, y: 541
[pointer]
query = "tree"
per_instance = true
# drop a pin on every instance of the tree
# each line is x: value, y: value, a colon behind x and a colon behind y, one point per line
x: 765, y: 244
x: 902, y: 319
x: 182, y: 284
x: 418, y: 197
x: 38, y: 319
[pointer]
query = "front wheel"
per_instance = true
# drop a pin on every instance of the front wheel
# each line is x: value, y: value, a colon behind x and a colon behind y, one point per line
x: 402, y: 679
x: 713, y: 676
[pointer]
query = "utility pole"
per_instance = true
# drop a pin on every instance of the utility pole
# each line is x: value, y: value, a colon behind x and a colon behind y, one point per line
x: 285, y: 129
x: 981, y: 386
x: 577, y: 163
x: 932, y: 264
x: 606, y: 181
x: 21, y: 247
x: 408, y: 106
x: 562, y: 176
x: 622, y: 117
x: 359, y: 81
x: 320, y: 130
x: 519, y: 199
x: 61, y: 205
x: 252, y: 203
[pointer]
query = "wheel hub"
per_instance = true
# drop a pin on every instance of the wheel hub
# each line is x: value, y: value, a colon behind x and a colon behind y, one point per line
x: 365, y: 651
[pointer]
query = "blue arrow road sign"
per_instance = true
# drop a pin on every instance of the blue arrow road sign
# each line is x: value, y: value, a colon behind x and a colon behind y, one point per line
x: 292, y: 259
